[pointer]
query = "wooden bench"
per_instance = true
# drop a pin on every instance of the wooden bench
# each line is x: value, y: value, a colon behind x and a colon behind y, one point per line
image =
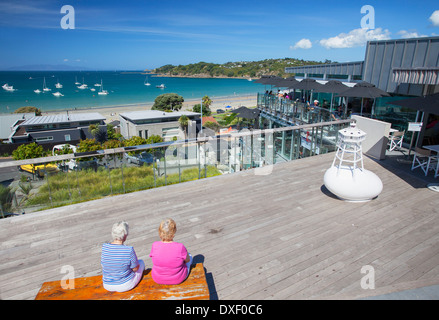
x: 90, y: 288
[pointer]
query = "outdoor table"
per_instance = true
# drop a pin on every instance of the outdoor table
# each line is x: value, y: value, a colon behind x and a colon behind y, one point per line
x: 434, y: 148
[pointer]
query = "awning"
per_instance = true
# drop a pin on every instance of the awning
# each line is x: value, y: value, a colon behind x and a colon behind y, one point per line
x: 416, y: 75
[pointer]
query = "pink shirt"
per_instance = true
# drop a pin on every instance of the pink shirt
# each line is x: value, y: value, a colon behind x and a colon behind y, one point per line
x: 168, y: 266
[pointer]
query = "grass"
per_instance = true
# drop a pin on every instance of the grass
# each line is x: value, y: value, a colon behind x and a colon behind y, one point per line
x: 65, y: 188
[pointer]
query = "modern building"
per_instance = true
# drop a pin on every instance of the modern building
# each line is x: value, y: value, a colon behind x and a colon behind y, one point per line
x: 401, y: 67
x: 146, y: 123
x: 60, y: 128
x: 9, y: 121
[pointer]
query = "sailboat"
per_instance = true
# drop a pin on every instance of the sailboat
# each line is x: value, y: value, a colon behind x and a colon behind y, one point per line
x: 83, y: 85
x: 58, y: 94
x: 8, y: 87
x: 102, y: 91
x: 45, y: 89
x: 58, y: 85
x: 146, y: 83
x: 76, y: 81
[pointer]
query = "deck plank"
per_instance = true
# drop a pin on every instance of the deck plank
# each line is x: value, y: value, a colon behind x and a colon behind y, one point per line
x: 275, y: 236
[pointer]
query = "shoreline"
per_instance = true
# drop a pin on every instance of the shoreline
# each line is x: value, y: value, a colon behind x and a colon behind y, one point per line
x: 111, y: 113
x: 199, y: 76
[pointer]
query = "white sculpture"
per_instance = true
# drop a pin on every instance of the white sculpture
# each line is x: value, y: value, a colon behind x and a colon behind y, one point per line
x: 347, y: 178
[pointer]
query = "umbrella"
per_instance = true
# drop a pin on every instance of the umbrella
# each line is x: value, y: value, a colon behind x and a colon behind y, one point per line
x: 263, y: 79
x: 428, y: 104
x: 268, y: 80
x: 364, y: 90
x: 309, y: 84
x: 244, y: 112
x: 333, y: 86
x: 290, y: 82
x: 275, y: 80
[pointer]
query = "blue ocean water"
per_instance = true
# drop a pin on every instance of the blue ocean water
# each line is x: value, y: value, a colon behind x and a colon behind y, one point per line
x: 125, y: 88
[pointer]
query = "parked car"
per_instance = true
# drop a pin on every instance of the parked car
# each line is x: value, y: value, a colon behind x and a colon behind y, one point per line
x: 140, y: 159
x: 39, y: 169
x: 220, y: 111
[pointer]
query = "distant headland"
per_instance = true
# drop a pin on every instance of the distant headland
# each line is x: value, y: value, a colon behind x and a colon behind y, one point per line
x: 240, y: 69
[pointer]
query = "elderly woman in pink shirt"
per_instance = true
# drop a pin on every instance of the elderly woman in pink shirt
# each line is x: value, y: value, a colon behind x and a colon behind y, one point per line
x: 171, y: 261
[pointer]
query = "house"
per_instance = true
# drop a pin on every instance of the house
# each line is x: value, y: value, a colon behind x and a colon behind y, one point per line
x: 9, y: 121
x: 56, y: 129
x: 146, y: 123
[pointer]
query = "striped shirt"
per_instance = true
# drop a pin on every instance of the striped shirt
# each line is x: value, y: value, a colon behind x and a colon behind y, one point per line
x: 117, y: 263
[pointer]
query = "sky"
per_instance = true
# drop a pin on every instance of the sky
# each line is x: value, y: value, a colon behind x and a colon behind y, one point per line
x: 145, y: 34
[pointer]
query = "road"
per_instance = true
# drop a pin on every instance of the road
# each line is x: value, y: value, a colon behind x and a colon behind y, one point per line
x: 7, y: 175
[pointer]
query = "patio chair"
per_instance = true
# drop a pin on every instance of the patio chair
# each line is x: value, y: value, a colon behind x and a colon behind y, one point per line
x: 395, y: 140
x: 423, y: 159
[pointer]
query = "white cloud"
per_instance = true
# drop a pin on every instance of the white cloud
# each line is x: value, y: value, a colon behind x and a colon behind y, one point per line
x: 434, y: 18
x: 410, y: 34
x: 355, y: 38
x: 302, y: 44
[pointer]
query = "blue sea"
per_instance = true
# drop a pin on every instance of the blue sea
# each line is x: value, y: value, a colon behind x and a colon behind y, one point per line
x: 124, y: 88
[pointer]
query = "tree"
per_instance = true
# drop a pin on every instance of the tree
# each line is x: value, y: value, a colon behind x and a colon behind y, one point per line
x: 88, y: 145
x: 168, y: 102
x: 154, y: 139
x: 29, y: 110
x: 206, y: 109
x: 94, y: 129
x: 135, y: 141
x: 28, y: 151
x: 111, y: 133
x: 206, y: 101
x: 184, y: 123
x: 64, y: 150
x: 101, y: 135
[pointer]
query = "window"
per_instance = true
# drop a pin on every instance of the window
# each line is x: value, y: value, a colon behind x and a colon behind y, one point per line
x: 43, y: 139
x: 170, y: 132
x: 67, y: 137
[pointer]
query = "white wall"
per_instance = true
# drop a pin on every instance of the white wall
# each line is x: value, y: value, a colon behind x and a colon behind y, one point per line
x: 377, y: 131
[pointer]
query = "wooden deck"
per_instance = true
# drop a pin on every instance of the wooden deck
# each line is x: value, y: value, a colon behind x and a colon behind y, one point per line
x: 276, y: 236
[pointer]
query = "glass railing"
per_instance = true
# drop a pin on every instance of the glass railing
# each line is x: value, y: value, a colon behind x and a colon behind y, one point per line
x: 36, y: 184
x: 295, y: 112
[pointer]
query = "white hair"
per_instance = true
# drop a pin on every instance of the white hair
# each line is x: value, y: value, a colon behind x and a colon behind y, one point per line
x: 120, y: 230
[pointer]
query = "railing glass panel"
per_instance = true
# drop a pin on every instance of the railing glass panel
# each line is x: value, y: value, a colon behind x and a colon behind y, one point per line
x: 67, y: 179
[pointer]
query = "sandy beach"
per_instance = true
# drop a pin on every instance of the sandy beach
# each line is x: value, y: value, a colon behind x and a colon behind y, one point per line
x: 111, y: 113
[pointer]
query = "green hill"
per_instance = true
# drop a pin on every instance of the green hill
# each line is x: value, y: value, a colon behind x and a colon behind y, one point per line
x: 241, y: 69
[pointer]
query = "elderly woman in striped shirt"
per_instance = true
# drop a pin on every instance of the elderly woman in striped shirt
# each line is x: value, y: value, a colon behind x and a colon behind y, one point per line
x: 121, y: 270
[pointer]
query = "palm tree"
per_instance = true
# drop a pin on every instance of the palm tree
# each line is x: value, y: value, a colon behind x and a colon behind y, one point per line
x: 94, y: 129
x: 184, y: 122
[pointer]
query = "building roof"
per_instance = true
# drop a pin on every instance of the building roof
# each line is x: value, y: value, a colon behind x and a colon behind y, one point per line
x: 63, y: 118
x: 8, y: 120
x: 155, y: 114
x: 209, y: 119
